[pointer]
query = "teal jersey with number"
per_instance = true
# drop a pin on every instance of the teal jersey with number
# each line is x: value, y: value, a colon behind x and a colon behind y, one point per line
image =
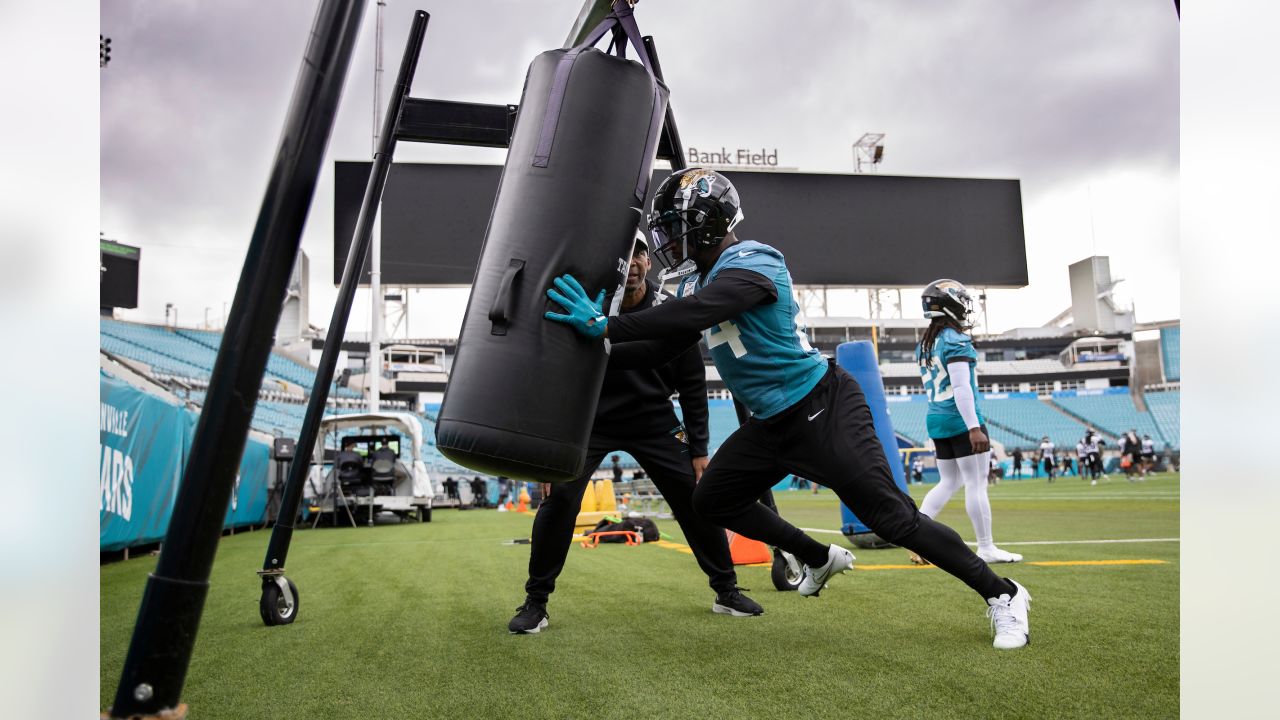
x: 763, y: 354
x: 944, y: 419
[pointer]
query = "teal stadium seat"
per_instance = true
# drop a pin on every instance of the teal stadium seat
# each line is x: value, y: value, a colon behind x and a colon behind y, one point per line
x: 908, y: 417
x: 1113, y: 413
x: 1027, y: 419
x: 1165, y: 408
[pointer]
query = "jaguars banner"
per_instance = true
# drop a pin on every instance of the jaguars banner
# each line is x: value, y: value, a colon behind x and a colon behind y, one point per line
x: 143, y: 447
x: 141, y: 441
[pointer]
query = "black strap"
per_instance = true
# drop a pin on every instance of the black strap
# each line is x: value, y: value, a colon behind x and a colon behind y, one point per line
x: 621, y: 17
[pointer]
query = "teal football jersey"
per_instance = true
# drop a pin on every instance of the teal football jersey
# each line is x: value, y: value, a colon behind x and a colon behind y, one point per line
x: 763, y: 355
x: 944, y: 418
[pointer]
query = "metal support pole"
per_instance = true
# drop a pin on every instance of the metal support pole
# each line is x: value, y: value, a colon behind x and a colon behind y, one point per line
x: 377, y: 321
x: 165, y: 633
x: 282, y: 533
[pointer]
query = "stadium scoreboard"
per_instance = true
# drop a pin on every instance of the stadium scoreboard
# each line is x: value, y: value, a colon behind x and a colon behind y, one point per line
x: 118, y: 274
x: 865, y: 230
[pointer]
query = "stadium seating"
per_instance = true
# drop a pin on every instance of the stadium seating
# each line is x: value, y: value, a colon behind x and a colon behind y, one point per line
x: 1011, y: 426
x: 908, y: 419
x: 165, y: 351
x: 1165, y: 409
x: 192, y: 353
x: 1032, y: 418
x: 278, y: 366
x: 1112, y: 413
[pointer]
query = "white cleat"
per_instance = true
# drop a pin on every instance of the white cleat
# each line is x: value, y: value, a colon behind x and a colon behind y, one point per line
x: 996, y: 555
x: 1009, y: 619
x: 838, y: 560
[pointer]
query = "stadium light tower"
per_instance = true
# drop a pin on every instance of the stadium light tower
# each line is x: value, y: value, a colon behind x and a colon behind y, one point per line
x: 868, y: 151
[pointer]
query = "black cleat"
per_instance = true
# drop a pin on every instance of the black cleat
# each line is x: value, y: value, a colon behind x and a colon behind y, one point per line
x: 530, y: 619
x: 734, y: 603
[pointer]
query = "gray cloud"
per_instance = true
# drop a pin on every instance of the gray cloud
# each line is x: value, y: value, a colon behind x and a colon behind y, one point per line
x: 1051, y: 93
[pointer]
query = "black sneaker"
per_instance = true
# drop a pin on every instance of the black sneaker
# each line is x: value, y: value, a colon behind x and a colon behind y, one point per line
x: 733, y: 602
x: 530, y: 618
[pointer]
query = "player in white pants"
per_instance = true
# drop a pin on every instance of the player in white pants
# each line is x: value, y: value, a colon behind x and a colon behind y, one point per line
x: 946, y: 358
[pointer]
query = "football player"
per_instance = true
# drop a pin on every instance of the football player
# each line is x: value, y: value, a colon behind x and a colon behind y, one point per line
x: 1148, y: 454
x: 946, y: 358
x: 1046, y: 455
x: 808, y: 416
x: 635, y: 414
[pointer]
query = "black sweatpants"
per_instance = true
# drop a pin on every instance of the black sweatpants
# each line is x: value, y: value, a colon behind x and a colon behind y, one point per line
x: 666, y: 459
x: 828, y: 437
x: 1095, y: 465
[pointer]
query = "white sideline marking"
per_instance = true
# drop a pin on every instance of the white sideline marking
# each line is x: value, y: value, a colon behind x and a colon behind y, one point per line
x: 1039, y: 542
x: 1100, y: 496
x: 1088, y: 542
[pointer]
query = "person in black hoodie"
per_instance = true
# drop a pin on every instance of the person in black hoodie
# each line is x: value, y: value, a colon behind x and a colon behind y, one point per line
x: 635, y: 415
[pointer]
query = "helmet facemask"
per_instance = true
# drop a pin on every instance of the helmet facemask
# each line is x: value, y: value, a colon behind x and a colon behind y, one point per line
x: 692, y: 208
x: 949, y: 299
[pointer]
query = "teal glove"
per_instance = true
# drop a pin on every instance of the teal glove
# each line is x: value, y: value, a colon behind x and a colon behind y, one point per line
x: 584, y: 314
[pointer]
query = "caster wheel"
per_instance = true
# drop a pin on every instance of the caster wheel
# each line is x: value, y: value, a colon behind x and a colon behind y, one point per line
x: 786, y: 572
x: 279, y: 605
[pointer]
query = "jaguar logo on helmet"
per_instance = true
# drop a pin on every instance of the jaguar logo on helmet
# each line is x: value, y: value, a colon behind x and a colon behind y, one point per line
x: 692, y: 208
x: 947, y: 298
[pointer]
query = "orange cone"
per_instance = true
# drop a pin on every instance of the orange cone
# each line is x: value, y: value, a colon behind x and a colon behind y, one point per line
x: 746, y: 551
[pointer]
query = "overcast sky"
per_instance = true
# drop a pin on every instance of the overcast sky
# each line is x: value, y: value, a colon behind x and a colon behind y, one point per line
x: 1078, y: 100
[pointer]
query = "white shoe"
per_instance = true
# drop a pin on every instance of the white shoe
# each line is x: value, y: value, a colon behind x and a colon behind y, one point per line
x: 996, y: 555
x: 1095, y: 482
x: 838, y: 560
x: 1009, y: 619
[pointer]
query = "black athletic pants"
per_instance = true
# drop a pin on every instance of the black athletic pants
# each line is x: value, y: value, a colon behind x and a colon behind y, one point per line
x: 828, y: 437
x: 1095, y: 465
x: 666, y: 459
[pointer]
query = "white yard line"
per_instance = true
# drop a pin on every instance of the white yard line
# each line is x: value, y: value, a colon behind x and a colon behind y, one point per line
x: 1040, y: 542
x: 1090, y: 542
x: 996, y: 495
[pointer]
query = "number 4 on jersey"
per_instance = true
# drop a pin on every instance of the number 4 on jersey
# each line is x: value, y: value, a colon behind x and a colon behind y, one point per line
x: 726, y: 332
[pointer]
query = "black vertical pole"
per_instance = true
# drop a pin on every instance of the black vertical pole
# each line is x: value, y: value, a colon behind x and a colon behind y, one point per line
x: 165, y: 632
x: 282, y: 533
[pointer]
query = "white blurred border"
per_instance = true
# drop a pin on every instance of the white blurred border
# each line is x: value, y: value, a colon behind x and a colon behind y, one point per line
x: 48, y: 288
x: 49, y: 221
x: 1230, y: 346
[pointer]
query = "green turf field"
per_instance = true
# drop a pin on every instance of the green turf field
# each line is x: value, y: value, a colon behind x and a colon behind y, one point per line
x: 409, y: 621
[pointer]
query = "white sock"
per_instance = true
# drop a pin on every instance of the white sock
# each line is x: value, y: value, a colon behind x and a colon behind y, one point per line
x: 949, y: 481
x: 973, y: 470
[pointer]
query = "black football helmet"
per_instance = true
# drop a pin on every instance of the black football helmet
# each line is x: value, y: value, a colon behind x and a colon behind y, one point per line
x: 694, y: 207
x: 947, y: 298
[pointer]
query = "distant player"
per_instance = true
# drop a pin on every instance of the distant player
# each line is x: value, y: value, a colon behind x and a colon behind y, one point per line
x: 946, y: 358
x: 1017, y: 463
x: 1130, y: 448
x: 1148, y: 454
x: 1082, y: 459
x: 1093, y: 446
x: 1047, y: 457
x: 808, y: 415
